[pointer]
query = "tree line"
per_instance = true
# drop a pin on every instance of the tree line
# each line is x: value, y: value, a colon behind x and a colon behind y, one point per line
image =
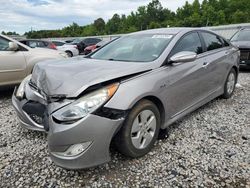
x: 154, y: 15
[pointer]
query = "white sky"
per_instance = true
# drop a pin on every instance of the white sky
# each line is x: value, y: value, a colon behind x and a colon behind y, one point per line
x: 21, y: 15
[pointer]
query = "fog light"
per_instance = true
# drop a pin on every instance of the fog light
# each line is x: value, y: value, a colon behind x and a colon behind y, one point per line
x: 73, y: 150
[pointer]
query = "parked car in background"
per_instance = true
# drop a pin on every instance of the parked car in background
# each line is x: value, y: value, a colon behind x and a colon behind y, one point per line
x: 92, y: 48
x: 242, y: 40
x: 33, y: 43
x: 85, y: 42
x: 126, y: 92
x: 71, y: 50
x: 17, y: 60
x: 58, y: 43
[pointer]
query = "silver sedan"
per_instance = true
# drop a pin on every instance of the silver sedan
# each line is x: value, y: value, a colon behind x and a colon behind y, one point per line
x: 125, y: 92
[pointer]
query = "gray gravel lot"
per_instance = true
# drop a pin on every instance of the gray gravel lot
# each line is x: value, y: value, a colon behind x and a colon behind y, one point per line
x: 208, y: 148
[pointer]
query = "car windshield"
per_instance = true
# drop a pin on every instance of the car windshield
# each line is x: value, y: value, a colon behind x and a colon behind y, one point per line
x: 135, y: 48
x: 243, y: 35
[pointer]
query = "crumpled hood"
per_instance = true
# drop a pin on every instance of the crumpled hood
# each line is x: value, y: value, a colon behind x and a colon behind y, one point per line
x: 71, y: 77
x: 241, y: 44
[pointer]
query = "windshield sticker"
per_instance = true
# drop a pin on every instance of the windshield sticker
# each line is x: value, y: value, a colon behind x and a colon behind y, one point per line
x: 162, y: 36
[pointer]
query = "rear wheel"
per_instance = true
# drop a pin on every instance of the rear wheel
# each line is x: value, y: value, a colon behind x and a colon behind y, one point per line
x: 230, y: 83
x: 140, y: 130
x: 69, y: 53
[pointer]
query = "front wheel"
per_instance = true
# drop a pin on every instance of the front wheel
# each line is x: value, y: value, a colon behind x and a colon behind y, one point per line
x: 230, y: 83
x: 140, y: 130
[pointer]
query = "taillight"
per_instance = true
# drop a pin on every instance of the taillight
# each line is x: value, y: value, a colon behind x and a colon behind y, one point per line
x: 52, y: 46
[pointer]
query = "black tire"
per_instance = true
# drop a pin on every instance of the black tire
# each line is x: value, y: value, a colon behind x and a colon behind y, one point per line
x: 70, y: 54
x: 123, y: 140
x: 227, y: 94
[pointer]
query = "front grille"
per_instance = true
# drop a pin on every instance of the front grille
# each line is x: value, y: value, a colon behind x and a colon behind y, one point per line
x: 244, y: 54
x: 35, y: 111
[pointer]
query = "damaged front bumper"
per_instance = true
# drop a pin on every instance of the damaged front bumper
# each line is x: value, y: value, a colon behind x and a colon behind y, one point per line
x: 30, y: 121
x: 82, y: 144
x: 96, y: 130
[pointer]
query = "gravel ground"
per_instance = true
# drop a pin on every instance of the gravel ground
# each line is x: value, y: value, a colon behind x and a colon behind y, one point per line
x: 208, y: 148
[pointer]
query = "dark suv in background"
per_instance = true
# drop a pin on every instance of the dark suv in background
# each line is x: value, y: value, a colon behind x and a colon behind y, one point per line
x: 242, y: 40
x: 83, y: 43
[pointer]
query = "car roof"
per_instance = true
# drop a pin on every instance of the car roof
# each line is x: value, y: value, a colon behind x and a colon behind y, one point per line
x: 172, y: 30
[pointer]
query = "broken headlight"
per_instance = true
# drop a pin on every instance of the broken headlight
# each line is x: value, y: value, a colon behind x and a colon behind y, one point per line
x: 86, y: 104
x: 21, y: 88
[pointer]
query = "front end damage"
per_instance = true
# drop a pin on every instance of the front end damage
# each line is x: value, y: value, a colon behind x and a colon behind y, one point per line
x: 73, y: 145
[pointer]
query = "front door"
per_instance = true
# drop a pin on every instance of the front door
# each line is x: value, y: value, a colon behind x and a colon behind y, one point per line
x: 187, y: 82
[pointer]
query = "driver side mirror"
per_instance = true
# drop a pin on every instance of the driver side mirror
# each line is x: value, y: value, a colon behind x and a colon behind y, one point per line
x: 13, y: 46
x: 183, y: 57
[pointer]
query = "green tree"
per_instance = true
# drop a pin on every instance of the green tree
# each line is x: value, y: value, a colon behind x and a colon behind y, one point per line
x: 99, y: 24
x: 154, y: 15
x: 154, y: 25
x: 239, y: 17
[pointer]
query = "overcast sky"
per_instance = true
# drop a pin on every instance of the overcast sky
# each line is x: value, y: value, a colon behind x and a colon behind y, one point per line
x: 21, y: 15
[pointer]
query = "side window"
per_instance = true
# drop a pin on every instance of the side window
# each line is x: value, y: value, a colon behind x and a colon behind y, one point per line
x: 212, y: 41
x: 43, y: 44
x: 190, y: 42
x: 225, y: 42
x: 40, y: 44
x: 24, y: 42
x: 32, y: 44
x: 4, y: 44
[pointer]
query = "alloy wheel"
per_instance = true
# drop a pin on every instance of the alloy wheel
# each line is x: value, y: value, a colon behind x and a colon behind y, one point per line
x: 143, y: 129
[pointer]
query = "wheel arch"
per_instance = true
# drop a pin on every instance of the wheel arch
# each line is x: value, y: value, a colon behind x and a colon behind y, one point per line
x: 158, y: 104
x: 237, y: 72
x: 70, y: 52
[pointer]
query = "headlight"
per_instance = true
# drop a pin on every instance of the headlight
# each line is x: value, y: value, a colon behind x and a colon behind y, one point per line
x: 85, y: 105
x: 64, y: 55
x: 21, y: 88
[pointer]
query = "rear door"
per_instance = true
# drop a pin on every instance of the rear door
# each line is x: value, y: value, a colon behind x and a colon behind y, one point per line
x: 216, y: 60
x: 12, y: 64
